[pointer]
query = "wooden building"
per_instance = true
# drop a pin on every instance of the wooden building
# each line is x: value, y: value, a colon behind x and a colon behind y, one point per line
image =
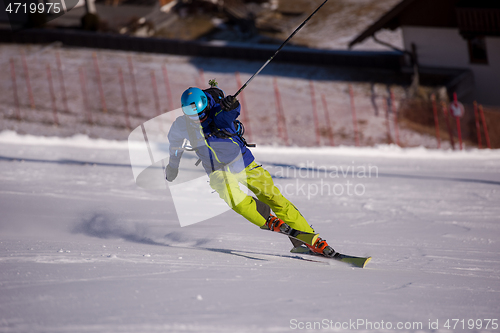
x: 450, y: 34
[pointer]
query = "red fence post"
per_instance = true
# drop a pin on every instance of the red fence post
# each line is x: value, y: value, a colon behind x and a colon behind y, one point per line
x: 52, y: 95
x: 436, y: 120
x: 202, y: 78
x: 61, y: 81
x: 459, y: 132
x: 99, y: 82
x: 244, y: 110
x: 27, y: 78
x: 134, y: 86
x: 155, y: 93
x: 168, y: 89
x: 478, y: 126
x: 395, y: 113
x: 484, y: 126
x: 124, y: 97
x: 328, y: 122
x: 387, y: 121
x: 83, y: 83
x: 280, y: 113
x: 450, y: 132
x: 14, y: 87
x: 315, y: 113
x: 354, y: 120
x: 459, y: 129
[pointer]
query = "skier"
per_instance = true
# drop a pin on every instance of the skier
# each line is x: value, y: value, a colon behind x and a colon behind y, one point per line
x: 209, y: 123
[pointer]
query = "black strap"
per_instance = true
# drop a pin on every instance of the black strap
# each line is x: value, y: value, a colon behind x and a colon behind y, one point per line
x: 225, y: 134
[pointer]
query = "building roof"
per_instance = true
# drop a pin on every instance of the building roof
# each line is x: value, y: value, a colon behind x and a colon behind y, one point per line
x: 388, y: 20
x: 470, y: 16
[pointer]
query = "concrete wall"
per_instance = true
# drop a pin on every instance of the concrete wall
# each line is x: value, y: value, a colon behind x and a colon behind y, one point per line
x: 445, y: 47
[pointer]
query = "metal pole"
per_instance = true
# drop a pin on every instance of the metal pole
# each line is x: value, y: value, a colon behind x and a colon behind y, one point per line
x: 282, y: 131
x: 124, y: 97
x: 436, y: 120
x: 27, y: 78
x: 478, y: 126
x: 448, y: 125
x: 83, y: 83
x: 354, y: 119
x: 328, y: 122
x: 99, y: 83
x: 459, y: 130
x: 168, y: 89
x: 395, y: 115
x: 481, y: 112
x: 52, y: 95
x: 155, y: 93
x: 315, y: 113
x: 14, y: 87
x: 134, y: 87
x: 61, y: 81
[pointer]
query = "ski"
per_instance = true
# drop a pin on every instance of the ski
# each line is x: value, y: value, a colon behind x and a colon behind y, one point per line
x: 355, y: 261
x: 310, y: 239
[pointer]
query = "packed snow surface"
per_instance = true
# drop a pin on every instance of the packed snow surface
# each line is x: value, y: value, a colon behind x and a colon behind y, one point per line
x: 83, y: 249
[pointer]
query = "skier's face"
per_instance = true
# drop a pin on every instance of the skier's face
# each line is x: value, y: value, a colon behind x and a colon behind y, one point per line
x: 201, y: 116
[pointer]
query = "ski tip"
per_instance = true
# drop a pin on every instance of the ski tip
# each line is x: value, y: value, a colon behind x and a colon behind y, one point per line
x: 356, y: 261
x: 366, y: 261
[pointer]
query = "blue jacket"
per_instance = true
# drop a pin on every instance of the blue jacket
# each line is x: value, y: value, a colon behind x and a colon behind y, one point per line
x: 215, y: 150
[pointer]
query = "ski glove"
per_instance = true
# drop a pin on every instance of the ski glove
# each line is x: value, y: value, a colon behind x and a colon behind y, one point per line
x: 171, y: 173
x: 229, y: 103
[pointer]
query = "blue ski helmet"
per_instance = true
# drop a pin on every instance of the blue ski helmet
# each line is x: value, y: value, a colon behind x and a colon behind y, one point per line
x: 194, y: 104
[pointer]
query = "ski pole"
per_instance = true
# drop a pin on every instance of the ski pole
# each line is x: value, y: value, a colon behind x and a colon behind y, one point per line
x: 278, y: 50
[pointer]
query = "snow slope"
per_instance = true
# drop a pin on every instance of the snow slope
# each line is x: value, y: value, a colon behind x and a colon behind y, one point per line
x: 83, y: 249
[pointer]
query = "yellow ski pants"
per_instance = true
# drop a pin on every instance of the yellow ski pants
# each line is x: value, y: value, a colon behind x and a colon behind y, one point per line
x: 260, y: 182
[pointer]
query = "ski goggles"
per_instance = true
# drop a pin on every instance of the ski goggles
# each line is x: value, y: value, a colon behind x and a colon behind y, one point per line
x: 192, y: 113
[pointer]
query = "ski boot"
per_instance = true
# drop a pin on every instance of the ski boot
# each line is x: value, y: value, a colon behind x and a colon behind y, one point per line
x: 322, y: 247
x: 275, y: 224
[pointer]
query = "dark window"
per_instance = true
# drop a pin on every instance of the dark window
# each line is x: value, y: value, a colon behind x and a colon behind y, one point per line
x: 477, y: 50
